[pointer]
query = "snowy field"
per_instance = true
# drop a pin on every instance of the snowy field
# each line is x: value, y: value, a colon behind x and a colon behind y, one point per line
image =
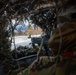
x: 23, y: 41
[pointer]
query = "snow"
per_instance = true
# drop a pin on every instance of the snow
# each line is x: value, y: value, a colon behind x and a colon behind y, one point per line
x: 23, y: 41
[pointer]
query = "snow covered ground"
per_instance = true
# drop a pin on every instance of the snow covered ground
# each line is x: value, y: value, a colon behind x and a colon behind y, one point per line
x: 23, y: 41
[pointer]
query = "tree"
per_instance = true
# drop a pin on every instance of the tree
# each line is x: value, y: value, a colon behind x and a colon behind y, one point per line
x: 5, y: 44
x: 20, y: 32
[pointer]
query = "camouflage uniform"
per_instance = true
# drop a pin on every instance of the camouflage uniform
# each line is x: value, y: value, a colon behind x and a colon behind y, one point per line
x: 66, y: 64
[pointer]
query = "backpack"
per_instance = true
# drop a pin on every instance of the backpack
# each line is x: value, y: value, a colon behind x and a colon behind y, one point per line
x: 68, y: 33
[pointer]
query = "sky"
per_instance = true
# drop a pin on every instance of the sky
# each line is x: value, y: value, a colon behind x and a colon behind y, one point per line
x: 23, y: 25
x: 25, y: 22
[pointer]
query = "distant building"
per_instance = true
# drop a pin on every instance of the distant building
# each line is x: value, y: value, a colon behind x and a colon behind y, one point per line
x: 33, y: 31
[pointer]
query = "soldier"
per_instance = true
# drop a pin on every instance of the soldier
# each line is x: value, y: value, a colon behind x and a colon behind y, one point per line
x: 67, y: 63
